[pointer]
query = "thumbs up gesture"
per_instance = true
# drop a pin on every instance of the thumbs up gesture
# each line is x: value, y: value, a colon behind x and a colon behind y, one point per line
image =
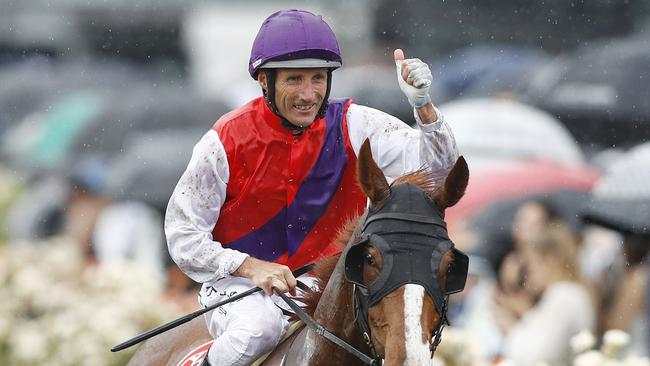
x: 414, y: 78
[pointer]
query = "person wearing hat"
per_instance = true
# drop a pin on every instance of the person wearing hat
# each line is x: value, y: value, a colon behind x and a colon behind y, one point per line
x: 269, y: 186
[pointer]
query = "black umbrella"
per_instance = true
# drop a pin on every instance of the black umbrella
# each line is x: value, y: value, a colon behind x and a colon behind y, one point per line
x: 151, y: 165
x: 486, y: 70
x: 493, y: 225
x: 24, y: 87
x: 37, y: 94
x: 141, y: 110
x: 27, y: 85
x: 621, y: 200
x: 599, y: 91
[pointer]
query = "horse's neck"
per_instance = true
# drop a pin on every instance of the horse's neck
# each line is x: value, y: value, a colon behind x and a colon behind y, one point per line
x: 334, y: 312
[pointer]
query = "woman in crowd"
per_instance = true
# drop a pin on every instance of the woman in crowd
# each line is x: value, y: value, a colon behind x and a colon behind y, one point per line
x: 553, y: 305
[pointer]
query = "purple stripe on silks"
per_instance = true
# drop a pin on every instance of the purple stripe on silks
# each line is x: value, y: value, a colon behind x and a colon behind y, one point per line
x: 268, y: 242
x: 286, y: 231
x: 321, y: 183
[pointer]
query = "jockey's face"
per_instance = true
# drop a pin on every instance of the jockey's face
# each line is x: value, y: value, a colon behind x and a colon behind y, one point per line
x: 299, y: 94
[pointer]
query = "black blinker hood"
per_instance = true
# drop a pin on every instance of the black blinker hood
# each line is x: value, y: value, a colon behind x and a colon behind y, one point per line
x: 411, y: 235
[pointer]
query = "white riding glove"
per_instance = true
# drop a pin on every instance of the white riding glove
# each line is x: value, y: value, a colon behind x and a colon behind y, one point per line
x: 420, y: 76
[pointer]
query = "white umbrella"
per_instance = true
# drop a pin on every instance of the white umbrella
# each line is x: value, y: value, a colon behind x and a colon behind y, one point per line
x: 621, y: 199
x: 491, y: 130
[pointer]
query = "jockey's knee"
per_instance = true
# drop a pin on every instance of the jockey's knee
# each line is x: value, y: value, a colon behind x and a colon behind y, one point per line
x: 266, y: 329
x: 256, y: 337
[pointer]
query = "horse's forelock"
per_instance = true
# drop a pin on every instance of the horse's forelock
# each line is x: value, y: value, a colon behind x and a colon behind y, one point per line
x: 423, y: 178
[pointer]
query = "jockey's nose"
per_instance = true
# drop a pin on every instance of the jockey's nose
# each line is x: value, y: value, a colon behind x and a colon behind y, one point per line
x: 308, y: 91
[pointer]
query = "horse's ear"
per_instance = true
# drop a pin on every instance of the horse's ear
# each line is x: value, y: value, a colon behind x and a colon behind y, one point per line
x: 451, y: 191
x: 372, y: 179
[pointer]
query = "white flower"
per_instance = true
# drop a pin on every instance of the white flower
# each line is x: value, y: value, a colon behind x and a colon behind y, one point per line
x: 613, y: 341
x: 636, y: 361
x: 582, y: 342
x: 28, y: 343
x: 55, y: 312
x: 29, y: 282
x: 589, y: 358
x: 457, y: 348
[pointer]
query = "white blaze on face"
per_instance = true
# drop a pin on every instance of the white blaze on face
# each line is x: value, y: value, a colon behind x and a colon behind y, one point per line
x: 417, y: 349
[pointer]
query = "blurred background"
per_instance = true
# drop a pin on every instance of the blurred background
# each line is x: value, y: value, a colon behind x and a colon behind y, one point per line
x: 102, y: 101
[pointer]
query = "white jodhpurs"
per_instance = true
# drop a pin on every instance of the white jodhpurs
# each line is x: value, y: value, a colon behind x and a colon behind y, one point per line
x: 245, y: 329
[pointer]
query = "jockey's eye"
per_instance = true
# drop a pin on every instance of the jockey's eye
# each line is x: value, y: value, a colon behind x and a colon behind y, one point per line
x: 370, y: 260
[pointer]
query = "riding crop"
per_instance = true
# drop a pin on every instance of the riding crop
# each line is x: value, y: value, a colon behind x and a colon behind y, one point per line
x: 182, y: 320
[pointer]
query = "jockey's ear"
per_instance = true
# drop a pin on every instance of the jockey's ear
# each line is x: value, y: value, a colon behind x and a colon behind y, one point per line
x: 372, y: 179
x: 262, y: 80
x: 451, y: 191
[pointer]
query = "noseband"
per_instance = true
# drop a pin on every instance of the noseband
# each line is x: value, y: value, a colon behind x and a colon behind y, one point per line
x: 410, y: 234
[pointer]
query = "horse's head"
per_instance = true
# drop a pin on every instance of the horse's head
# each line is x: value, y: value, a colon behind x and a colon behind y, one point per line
x: 402, y: 262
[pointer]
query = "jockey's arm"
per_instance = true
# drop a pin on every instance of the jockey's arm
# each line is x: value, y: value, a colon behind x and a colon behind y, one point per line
x: 427, y: 114
x: 267, y: 275
x: 191, y: 213
x: 193, y: 209
x: 397, y: 148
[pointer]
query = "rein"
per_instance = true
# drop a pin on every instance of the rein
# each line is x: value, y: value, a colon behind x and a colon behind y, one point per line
x: 373, y: 360
x: 320, y: 330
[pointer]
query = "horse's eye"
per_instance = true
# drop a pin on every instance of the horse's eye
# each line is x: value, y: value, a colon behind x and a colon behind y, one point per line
x: 370, y: 259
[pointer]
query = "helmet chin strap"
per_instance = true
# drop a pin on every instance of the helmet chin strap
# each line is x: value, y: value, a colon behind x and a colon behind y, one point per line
x: 269, y: 97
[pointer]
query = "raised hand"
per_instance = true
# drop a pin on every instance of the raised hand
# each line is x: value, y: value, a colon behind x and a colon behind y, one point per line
x: 414, y: 78
x: 267, y: 275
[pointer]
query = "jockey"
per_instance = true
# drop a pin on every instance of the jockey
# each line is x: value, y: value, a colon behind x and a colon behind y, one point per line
x: 270, y: 185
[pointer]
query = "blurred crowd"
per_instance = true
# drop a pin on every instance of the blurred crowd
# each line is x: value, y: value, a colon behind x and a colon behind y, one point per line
x: 556, y: 216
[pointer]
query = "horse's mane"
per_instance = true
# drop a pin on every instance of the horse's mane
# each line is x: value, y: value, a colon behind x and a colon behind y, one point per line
x: 422, y: 178
x: 323, y: 268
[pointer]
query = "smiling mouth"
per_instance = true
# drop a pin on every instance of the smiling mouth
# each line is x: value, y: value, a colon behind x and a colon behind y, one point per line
x: 304, y: 108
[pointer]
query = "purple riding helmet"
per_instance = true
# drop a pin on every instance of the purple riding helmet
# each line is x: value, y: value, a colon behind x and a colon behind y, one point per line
x: 294, y: 39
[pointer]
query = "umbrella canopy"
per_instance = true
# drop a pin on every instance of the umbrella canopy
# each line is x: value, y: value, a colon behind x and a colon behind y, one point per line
x: 42, y: 140
x: 486, y: 69
x: 151, y: 165
x: 519, y: 179
x: 145, y: 109
x: 621, y: 199
x: 489, y: 130
x: 600, y: 91
x: 45, y: 105
x: 493, y: 224
x: 23, y: 88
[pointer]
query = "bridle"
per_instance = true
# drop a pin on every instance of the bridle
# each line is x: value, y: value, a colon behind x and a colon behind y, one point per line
x: 410, y: 233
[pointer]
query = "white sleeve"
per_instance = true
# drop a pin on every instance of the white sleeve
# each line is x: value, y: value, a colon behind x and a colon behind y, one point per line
x: 193, y: 211
x: 398, y: 148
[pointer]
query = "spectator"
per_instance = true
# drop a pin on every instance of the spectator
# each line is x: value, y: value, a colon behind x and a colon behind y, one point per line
x: 554, y: 304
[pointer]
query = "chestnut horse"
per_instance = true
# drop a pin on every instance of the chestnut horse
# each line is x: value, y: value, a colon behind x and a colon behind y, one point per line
x: 385, y: 295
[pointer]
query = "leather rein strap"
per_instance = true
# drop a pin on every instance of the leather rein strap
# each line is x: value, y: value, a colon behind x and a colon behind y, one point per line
x: 320, y: 330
